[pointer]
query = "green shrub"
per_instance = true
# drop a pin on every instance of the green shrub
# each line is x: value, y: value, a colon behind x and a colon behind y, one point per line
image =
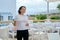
x: 41, y: 16
x: 55, y: 17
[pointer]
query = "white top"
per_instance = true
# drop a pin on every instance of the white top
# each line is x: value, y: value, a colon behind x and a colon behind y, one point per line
x: 21, y: 21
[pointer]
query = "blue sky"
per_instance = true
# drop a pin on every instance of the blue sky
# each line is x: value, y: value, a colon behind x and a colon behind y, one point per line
x: 36, y: 6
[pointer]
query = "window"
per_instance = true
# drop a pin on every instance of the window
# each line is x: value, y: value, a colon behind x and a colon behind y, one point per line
x: 10, y: 17
x: 1, y: 18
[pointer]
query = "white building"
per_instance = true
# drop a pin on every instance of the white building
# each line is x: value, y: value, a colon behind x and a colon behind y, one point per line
x: 5, y: 16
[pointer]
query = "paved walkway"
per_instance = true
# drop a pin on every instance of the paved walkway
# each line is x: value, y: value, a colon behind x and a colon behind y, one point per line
x: 42, y: 37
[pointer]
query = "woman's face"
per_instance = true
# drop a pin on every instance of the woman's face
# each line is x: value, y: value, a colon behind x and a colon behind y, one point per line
x: 23, y: 10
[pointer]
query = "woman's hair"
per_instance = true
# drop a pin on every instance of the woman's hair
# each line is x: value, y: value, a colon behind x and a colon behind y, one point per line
x: 20, y: 9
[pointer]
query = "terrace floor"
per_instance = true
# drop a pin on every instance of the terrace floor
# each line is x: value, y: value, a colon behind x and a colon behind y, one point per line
x: 42, y: 37
x: 53, y: 36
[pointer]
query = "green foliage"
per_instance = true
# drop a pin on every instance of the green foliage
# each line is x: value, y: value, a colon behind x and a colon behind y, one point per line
x: 34, y: 18
x: 58, y: 6
x: 41, y: 16
x: 55, y: 17
x: 32, y: 15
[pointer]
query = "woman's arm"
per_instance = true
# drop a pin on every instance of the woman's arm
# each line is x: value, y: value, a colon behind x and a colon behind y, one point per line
x: 14, y: 23
x: 27, y: 24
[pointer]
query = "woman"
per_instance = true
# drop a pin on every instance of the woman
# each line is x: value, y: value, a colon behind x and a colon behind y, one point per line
x: 22, y: 25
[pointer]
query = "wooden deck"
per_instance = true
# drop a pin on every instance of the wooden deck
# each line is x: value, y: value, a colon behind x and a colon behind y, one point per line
x: 10, y: 21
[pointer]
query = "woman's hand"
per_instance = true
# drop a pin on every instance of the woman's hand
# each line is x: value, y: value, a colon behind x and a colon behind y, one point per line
x: 27, y: 24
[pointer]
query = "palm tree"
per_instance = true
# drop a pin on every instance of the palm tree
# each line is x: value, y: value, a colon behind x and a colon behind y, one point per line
x: 58, y: 6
